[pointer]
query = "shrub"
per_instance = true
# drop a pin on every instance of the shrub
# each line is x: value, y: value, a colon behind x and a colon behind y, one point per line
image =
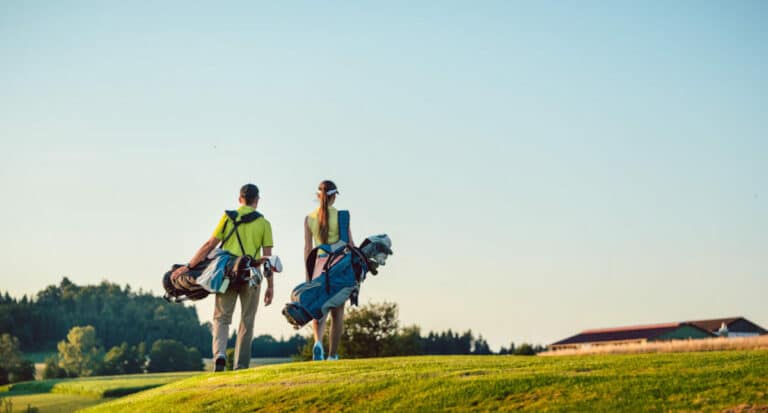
x: 170, y: 355
x: 52, y: 369
x: 80, y: 354
x: 12, y: 367
x: 230, y: 359
x: 22, y: 371
x: 525, y: 349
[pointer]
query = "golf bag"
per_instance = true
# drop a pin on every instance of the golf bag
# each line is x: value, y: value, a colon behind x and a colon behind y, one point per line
x: 185, y: 287
x: 219, y: 270
x: 343, y: 272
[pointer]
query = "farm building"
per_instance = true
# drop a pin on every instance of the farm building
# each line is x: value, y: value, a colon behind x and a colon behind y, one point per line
x: 731, y: 327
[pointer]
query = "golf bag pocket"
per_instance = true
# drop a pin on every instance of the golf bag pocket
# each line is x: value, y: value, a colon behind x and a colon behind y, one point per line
x: 314, y: 299
x: 214, y: 277
x: 184, y: 287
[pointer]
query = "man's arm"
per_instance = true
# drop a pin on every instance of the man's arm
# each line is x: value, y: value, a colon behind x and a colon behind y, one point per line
x: 199, y: 257
x: 203, y: 252
x: 307, y: 239
x: 267, y: 252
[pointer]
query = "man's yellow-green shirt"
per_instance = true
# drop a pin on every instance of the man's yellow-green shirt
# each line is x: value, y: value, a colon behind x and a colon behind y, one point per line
x: 255, y: 234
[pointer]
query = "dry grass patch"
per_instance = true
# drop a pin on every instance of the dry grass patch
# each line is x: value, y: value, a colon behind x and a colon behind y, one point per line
x: 672, y: 346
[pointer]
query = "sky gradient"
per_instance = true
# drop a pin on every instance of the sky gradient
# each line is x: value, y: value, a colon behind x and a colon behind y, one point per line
x: 541, y: 168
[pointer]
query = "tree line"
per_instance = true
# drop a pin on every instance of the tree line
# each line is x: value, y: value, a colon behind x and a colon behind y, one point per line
x: 142, y: 332
x: 374, y: 330
x: 267, y: 346
x: 81, y: 355
x: 118, y: 315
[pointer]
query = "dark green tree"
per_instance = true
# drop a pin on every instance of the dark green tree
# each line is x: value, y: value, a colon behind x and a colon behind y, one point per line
x: 408, y: 342
x: 143, y: 355
x: 481, y: 346
x: 268, y: 346
x: 525, y: 349
x: 370, y: 330
x: 123, y: 359
x: 80, y: 354
x: 13, y: 367
x: 170, y: 355
x: 23, y: 371
x: 52, y: 369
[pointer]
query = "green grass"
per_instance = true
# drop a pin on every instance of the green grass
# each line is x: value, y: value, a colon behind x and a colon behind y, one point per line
x: 52, y: 403
x: 255, y: 362
x: 709, y: 381
x: 71, y: 394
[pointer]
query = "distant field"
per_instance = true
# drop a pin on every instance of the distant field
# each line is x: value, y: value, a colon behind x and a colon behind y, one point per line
x: 66, y: 395
x: 671, y: 346
x: 39, y: 360
x: 705, y: 381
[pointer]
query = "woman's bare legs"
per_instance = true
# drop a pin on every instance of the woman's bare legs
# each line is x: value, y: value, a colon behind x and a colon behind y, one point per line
x: 318, y: 328
x: 337, y: 327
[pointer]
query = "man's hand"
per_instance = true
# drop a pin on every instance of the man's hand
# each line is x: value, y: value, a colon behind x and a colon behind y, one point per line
x: 179, y: 272
x: 268, y: 295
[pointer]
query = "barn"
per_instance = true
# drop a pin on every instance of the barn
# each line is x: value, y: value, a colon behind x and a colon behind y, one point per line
x: 731, y: 327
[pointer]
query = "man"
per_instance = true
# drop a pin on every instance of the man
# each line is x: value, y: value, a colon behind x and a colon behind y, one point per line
x: 256, y: 236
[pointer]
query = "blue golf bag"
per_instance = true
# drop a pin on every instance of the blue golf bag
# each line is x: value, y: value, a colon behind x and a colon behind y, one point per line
x: 344, y: 270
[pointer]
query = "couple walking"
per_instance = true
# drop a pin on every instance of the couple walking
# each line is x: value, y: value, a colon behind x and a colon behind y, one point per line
x: 321, y: 226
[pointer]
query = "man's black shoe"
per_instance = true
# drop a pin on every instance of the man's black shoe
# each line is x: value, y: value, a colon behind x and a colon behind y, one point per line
x: 221, y: 364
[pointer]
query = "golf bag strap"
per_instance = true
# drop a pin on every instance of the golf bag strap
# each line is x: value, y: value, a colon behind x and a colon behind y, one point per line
x: 357, y: 253
x: 240, y: 242
x: 232, y: 215
x: 311, y: 260
x: 343, y: 218
x: 363, y: 261
x: 327, y: 266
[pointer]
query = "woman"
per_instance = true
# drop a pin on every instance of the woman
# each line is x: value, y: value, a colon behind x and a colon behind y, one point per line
x: 321, y: 226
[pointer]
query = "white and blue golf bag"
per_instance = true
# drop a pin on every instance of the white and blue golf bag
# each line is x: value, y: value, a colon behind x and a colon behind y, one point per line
x: 344, y: 271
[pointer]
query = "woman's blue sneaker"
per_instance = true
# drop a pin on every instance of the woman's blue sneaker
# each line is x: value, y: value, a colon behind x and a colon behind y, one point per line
x: 317, y: 351
x: 333, y: 358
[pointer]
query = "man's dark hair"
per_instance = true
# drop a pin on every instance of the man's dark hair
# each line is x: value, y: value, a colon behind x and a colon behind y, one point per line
x: 249, y: 193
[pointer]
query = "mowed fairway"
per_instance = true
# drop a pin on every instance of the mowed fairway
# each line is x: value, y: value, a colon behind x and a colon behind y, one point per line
x: 51, y: 403
x: 706, y: 381
x: 68, y: 395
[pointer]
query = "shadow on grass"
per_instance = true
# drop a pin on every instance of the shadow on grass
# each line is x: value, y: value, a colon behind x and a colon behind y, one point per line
x: 94, y: 387
x: 29, y: 387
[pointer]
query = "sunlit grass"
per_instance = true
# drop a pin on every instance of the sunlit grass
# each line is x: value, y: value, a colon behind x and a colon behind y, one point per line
x: 51, y: 403
x: 710, y: 381
x: 67, y: 395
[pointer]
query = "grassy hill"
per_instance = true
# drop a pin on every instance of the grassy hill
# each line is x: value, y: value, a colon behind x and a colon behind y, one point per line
x: 67, y: 395
x: 711, y: 381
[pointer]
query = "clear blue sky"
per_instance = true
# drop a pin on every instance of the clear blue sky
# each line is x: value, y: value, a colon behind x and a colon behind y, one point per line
x: 542, y: 168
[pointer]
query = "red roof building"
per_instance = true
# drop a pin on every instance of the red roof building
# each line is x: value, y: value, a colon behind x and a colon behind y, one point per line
x: 734, y: 327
